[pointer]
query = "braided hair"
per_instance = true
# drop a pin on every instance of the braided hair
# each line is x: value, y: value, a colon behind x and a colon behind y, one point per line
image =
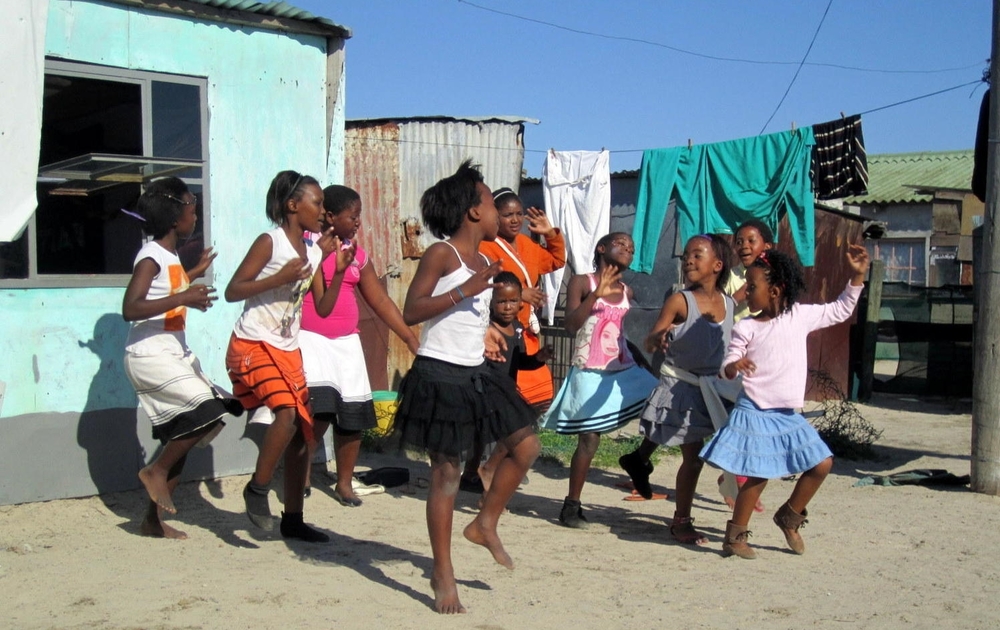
x: 783, y: 272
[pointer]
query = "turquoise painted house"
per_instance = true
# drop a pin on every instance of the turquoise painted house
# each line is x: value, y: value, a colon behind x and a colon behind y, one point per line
x: 222, y: 93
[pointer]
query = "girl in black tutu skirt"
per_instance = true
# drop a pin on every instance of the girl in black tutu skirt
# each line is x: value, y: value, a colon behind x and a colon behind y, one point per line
x: 451, y: 398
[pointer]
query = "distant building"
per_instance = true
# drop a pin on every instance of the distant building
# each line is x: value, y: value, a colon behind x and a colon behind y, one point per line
x: 925, y: 201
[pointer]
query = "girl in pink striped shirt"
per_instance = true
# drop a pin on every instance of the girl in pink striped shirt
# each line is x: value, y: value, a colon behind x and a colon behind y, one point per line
x: 765, y: 437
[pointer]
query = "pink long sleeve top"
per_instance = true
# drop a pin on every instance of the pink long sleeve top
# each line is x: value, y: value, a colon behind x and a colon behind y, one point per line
x: 778, y: 349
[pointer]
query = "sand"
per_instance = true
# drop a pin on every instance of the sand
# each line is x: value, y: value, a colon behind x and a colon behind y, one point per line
x: 877, y: 557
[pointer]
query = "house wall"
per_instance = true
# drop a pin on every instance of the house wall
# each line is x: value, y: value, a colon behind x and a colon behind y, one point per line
x: 68, y: 423
x: 391, y: 163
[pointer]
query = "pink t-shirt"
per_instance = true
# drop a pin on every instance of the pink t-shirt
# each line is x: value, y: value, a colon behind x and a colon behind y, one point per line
x: 343, y: 320
x: 778, y: 349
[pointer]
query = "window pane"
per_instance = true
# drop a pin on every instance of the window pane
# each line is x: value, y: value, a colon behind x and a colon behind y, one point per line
x: 87, y: 234
x: 81, y: 115
x: 14, y: 258
x: 176, y: 120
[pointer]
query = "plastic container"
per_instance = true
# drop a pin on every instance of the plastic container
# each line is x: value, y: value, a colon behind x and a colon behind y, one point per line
x: 385, y: 411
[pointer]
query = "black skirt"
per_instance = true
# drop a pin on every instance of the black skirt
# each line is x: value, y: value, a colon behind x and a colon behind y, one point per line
x: 447, y: 408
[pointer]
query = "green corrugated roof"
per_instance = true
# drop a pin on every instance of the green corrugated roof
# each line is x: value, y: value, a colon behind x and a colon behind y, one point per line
x: 281, y: 10
x: 897, y: 177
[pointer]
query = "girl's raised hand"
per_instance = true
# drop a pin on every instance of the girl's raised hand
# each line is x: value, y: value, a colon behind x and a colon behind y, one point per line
x: 481, y: 280
x: 207, y: 256
x: 533, y: 296
x: 294, y: 270
x: 328, y: 242
x: 857, y: 258
x: 345, y: 255
x: 538, y: 222
x: 607, y: 281
x: 199, y: 296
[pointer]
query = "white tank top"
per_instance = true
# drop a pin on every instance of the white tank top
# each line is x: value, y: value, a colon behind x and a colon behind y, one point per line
x: 274, y: 316
x: 456, y: 335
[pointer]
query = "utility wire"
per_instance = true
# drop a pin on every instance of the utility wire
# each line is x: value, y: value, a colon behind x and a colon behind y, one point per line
x: 707, y: 56
x: 351, y: 137
x: 799, y: 69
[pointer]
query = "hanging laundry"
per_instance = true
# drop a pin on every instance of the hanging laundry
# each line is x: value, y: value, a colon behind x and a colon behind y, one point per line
x: 981, y: 149
x: 839, y: 161
x: 23, y: 50
x: 718, y: 186
x: 577, y: 190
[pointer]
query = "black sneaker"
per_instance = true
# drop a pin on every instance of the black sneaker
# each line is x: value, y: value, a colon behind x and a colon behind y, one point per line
x: 293, y: 527
x: 639, y: 472
x: 258, y: 508
x: 572, y: 515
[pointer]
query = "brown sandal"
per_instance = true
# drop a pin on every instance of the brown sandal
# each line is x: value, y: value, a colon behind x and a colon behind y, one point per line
x: 683, y: 531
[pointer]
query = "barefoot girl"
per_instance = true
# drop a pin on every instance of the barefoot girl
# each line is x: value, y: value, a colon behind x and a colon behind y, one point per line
x: 450, y: 398
x: 331, y: 348
x: 604, y: 388
x: 181, y: 402
x: 263, y: 359
x: 765, y: 437
x: 693, y: 331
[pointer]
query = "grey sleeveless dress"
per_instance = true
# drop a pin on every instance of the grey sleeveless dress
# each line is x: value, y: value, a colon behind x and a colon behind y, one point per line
x: 675, y: 411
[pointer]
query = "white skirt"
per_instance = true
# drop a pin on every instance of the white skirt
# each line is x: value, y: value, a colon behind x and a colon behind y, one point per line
x: 338, y: 380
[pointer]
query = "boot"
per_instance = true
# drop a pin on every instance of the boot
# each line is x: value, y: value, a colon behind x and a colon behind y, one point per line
x: 735, y: 542
x: 571, y: 515
x: 789, y: 521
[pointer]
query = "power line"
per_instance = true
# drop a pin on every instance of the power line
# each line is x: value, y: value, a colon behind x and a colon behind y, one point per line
x: 917, y: 98
x: 692, y: 53
x: 799, y: 69
x: 356, y: 138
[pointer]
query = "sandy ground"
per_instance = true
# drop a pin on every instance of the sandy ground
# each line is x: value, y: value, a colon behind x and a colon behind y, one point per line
x: 877, y: 557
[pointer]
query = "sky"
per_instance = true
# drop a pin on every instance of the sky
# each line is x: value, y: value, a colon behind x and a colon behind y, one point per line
x: 641, y: 74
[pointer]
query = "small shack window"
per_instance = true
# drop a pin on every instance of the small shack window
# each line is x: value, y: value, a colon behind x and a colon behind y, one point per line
x: 106, y: 133
x: 905, y: 259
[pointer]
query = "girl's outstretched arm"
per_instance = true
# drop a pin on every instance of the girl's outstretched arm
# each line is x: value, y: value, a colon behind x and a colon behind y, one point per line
x: 135, y: 306
x: 244, y: 283
x: 421, y: 305
x: 374, y: 293
x: 674, y: 311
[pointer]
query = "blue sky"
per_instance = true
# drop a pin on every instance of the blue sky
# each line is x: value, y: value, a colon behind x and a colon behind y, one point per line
x: 463, y: 58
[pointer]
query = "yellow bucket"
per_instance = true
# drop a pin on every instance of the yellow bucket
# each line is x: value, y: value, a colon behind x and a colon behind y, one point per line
x: 385, y: 411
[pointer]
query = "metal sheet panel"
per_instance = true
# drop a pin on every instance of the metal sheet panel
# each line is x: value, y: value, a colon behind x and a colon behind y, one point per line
x: 429, y: 151
x: 391, y: 163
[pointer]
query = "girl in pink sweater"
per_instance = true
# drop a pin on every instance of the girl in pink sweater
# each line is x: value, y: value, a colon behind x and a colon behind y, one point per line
x: 765, y: 437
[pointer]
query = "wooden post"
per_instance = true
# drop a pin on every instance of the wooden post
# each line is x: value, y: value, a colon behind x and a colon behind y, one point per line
x: 985, y: 471
x: 869, y: 334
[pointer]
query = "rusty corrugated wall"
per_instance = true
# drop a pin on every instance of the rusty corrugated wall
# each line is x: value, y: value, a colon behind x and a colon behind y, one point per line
x: 390, y: 163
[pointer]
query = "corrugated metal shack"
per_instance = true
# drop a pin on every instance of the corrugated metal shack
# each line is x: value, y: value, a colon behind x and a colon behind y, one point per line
x: 830, y: 350
x: 390, y: 162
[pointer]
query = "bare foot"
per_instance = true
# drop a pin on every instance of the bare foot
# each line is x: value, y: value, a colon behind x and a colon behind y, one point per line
x: 158, y: 529
x: 156, y: 488
x: 446, y: 595
x: 475, y: 533
x: 346, y: 492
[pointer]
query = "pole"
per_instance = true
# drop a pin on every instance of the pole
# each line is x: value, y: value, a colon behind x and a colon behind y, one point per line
x: 985, y: 471
x: 869, y: 333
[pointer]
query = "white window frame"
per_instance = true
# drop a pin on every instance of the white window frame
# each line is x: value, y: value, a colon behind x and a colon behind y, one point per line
x: 145, y: 80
